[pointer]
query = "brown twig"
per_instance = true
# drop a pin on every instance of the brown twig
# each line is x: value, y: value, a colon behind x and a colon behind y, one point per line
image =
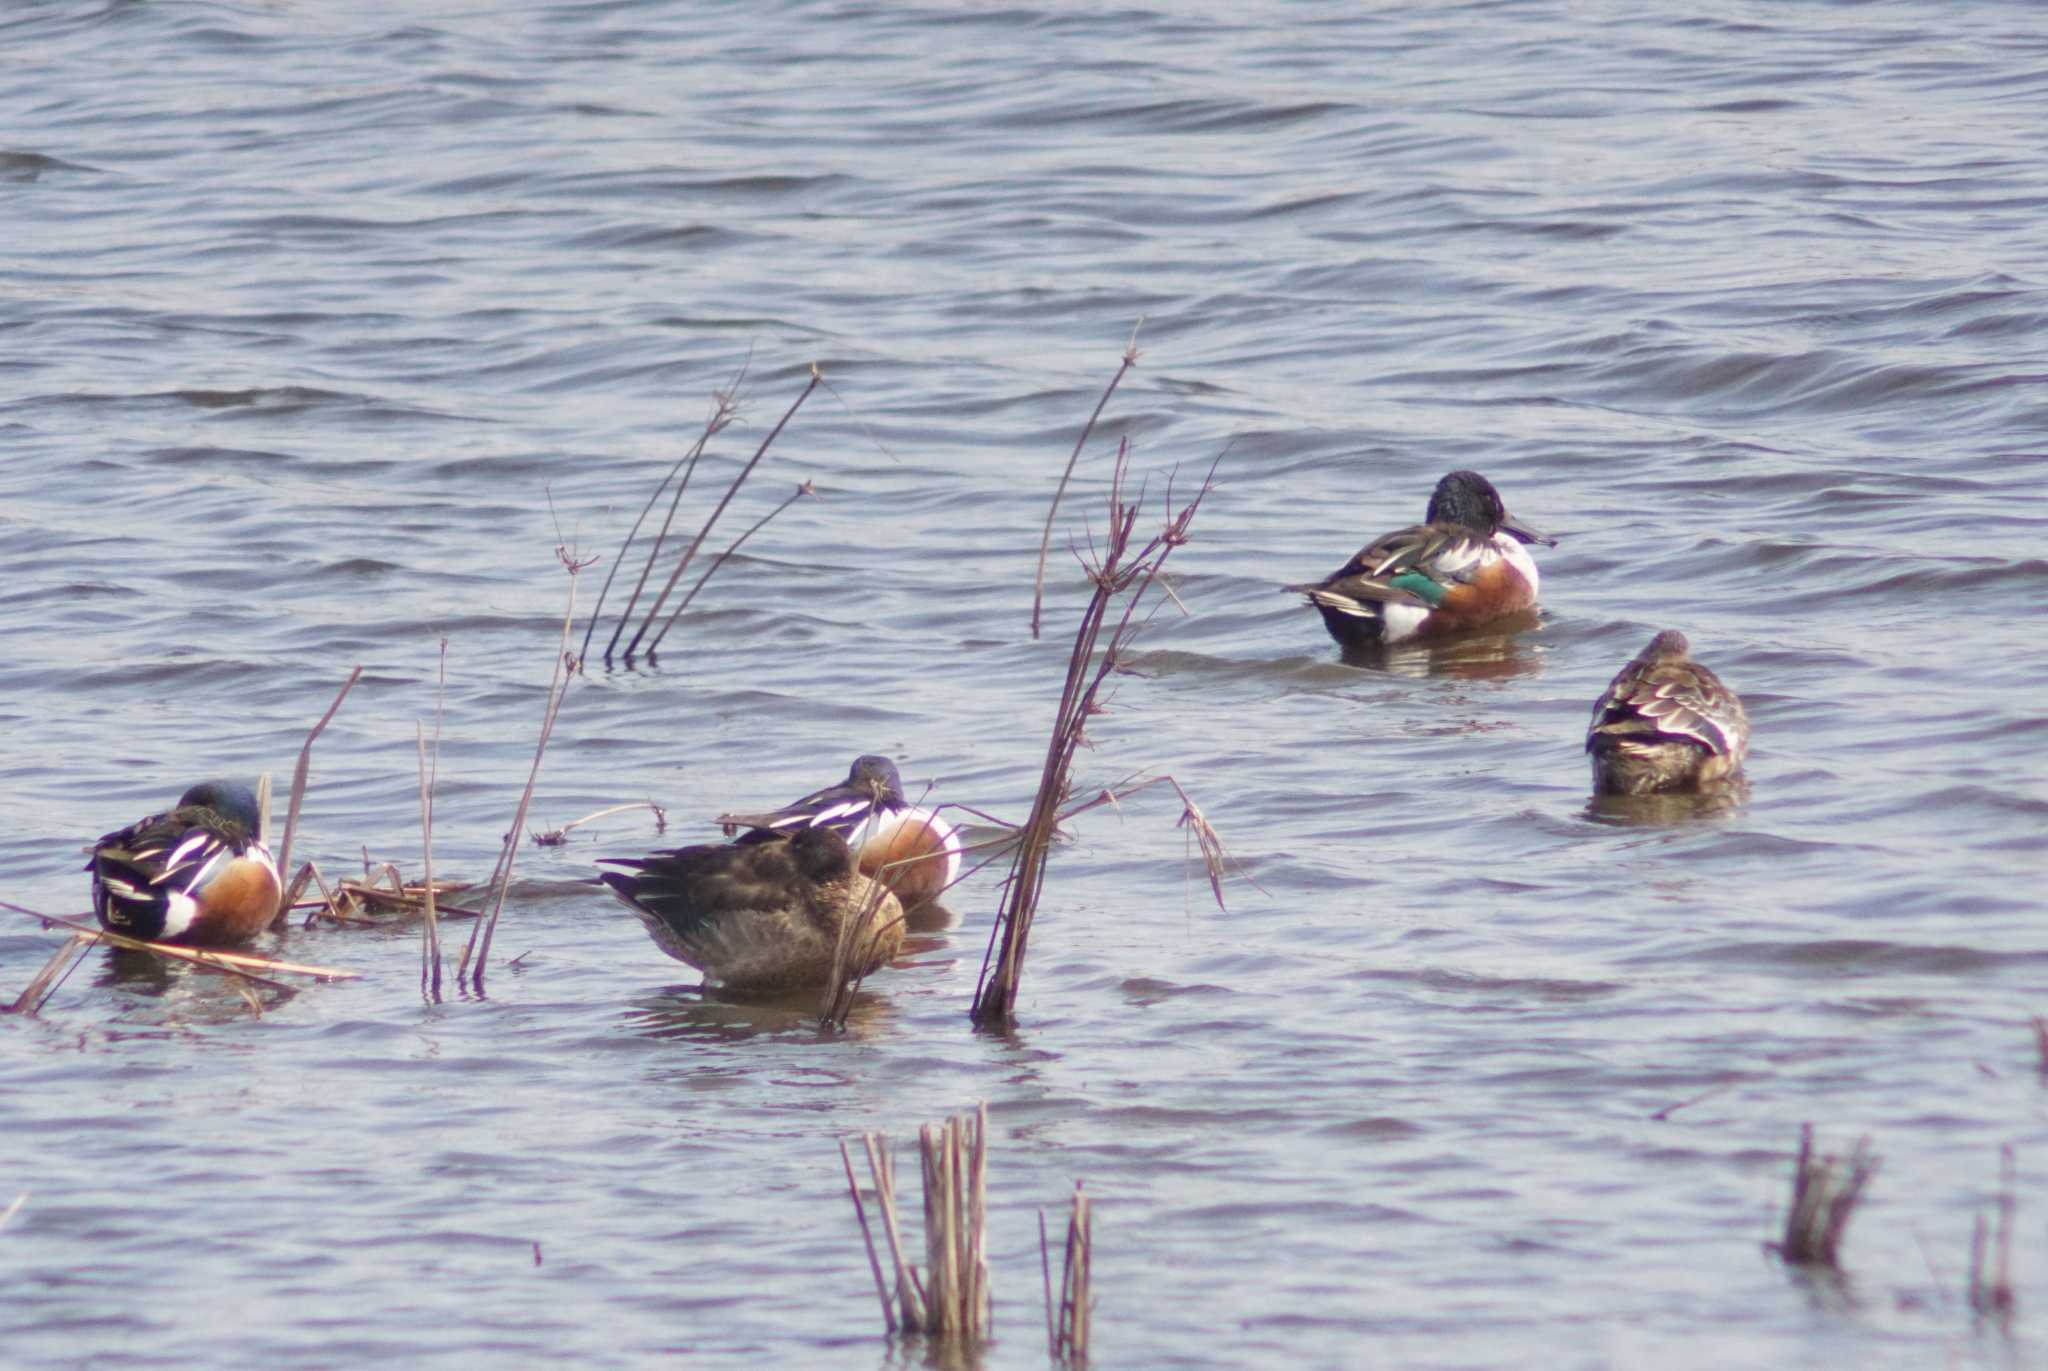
x: 62, y: 963
x: 291, y: 818
x: 230, y: 963
x: 1130, y: 359
x: 730, y: 491
x: 555, y: 837
x: 806, y: 488
x: 566, y: 666
x: 725, y: 407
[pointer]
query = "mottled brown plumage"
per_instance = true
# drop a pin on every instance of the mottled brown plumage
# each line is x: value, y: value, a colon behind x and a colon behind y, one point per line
x: 763, y: 914
x: 1665, y: 723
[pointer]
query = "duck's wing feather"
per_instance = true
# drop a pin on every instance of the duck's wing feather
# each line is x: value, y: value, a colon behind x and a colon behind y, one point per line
x: 1672, y: 699
x: 1412, y: 566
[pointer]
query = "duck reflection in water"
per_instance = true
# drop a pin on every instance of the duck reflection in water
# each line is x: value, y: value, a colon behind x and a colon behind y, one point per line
x: 1490, y: 654
x: 712, y: 1014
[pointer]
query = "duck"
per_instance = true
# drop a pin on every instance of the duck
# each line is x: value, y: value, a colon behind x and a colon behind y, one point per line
x: 911, y: 849
x: 764, y: 914
x: 195, y: 873
x: 1466, y: 565
x: 1665, y: 723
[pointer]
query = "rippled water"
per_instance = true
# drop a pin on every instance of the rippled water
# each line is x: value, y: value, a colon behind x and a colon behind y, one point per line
x: 323, y: 323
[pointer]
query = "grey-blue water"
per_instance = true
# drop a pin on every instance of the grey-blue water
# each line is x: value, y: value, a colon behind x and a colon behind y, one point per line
x: 322, y: 325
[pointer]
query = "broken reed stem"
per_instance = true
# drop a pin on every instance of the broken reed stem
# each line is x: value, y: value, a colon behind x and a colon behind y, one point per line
x: 1130, y: 359
x: 806, y: 488
x: 1116, y: 573
x: 566, y: 666
x: 1994, y: 1295
x: 291, y: 818
x: 554, y: 837
x: 62, y: 963
x: 867, y: 1237
x: 263, y: 810
x: 730, y: 491
x: 1825, y: 1192
x: 725, y: 406
x: 1066, y: 1324
x: 228, y: 963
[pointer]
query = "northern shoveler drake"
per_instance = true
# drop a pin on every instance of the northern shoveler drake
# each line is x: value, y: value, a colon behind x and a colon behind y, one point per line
x: 764, y: 914
x: 910, y: 849
x: 1465, y: 566
x: 193, y: 874
x: 1665, y: 723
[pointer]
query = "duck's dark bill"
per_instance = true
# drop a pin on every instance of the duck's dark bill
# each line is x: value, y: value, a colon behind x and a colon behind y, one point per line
x: 1527, y: 533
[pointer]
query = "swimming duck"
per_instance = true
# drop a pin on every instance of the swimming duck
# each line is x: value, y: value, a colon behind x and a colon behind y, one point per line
x: 764, y: 914
x: 193, y: 874
x: 1465, y: 566
x: 910, y: 849
x: 1665, y: 723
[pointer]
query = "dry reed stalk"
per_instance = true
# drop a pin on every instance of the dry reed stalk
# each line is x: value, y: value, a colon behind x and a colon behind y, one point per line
x: 263, y: 809
x: 854, y: 947
x: 1993, y: 1294
x: 291, y: 818
x: 951, y: 1298
x: 7, y: 1214
x: 1117, y: 573
x: 1825, y: 1192
x: 555, y: 837
x: 698, y: 542
x: 430, y: 774
x: 803, y: 489
x: 904, y: 1309
x: 725, y: 408
x: 566, y: 666
x: 955, y: 1155
x: 30, y: 1002
x: 1067, y: 1321
x: 229, y: 963
x: 1130, y: 359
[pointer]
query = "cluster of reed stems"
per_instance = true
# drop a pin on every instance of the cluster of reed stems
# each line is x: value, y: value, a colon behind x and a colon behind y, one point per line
x: 1121, y: 576
x: 725, y: 410
x: 949, y: 1297
x: 1825, y: 1192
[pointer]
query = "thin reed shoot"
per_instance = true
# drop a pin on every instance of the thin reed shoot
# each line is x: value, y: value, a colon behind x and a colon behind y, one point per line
x: 299, y: 773
x: 1991, y: 1292
x: 478, y: 948
x: 1068, y: 1317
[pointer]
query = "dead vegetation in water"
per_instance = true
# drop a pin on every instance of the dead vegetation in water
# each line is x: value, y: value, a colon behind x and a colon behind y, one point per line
x: 242, y: 966
x: 948, y: 1297
x: 1067, y: 1317
x: 1825, y: 1193
x: 1990, y: 1291
x: 724, y: 411
x: 1123, y: 577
